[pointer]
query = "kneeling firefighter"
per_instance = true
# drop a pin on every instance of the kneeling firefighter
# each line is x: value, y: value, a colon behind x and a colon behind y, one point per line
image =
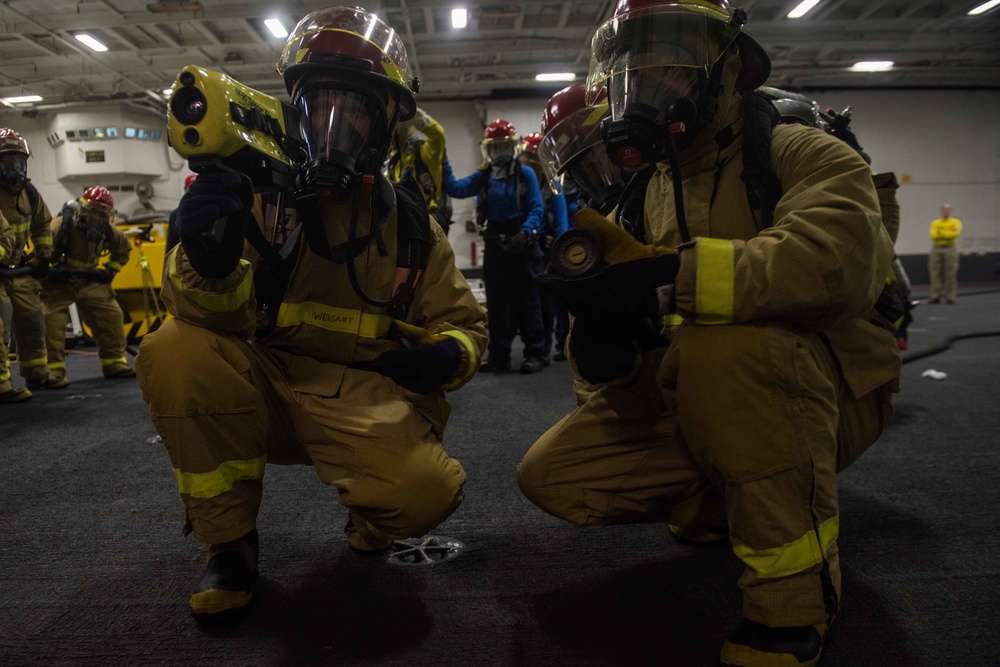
x: 332, y: 348
x: 773, y: 369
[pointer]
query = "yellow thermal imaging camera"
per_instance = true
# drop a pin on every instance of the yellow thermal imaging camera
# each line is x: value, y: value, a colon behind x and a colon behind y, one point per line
x: 215, y: 122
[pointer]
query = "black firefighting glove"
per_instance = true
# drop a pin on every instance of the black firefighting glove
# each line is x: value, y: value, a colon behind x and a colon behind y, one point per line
x: 39, y: 267
x: 625, y: 287
x: 518, y: 243
x: 423, y: 368
x: 602, y: 351
x: 212, y: 218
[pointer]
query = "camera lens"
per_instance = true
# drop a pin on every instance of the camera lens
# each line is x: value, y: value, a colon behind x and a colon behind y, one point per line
x: 194, y: 109
x: 191, y: 137
x: 188, y: 106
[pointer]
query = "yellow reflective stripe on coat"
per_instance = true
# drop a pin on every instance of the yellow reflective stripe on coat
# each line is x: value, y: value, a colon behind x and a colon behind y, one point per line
x: 714, y: 288
x: 20, y: 227
x: 473, y: 351
x: 217, y: 302
x: 79, y: 264
x: 57, y: 365
x: 5, y: 375
x: 114, y: 266
x: 790, y: 558
x: 41, y: 240
x: 3, y: 253
x: 342, y: 320
x: 220, y: 480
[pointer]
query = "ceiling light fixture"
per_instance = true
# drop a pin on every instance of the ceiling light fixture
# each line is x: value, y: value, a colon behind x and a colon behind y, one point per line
x: 872, y: 66
x: 555, y: 76
x: 802, y: 9
x: 21, y: 99
x: 985, y: 7
x: 459, y: 18
x: 274, y: 25
x: 91, y: 42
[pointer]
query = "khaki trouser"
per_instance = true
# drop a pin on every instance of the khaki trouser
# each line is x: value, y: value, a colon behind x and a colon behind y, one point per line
x: 27, y: 327
x: 99, y: 310
x: 224, y: 407
x: 944, y: 271
x: 756, y: 413
x: 5, y: 316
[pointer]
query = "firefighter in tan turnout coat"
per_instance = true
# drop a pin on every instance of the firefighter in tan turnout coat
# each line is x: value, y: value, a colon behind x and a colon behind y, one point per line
x: 340, y: 374
x: 773, y: 371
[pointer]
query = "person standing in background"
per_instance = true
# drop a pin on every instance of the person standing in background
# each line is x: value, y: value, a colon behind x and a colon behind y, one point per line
x: 943, y: 264
x: 555, y: 221
x: 509, y: 210
x: 20, y: 296
x: 420, y: 143
x: 82, y: 236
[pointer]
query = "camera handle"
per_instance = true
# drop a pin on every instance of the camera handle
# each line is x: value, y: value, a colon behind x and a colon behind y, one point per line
x: 211, y: 238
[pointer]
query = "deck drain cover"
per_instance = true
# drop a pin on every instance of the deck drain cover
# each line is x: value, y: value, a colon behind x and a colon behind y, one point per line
x: 426, y: 550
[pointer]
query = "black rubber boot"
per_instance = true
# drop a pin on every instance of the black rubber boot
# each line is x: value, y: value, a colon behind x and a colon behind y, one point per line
x: 15, y: 395
x: 755, y: 645
x: 531, y: 365
x: 492, y: 365
x: 225, y: 589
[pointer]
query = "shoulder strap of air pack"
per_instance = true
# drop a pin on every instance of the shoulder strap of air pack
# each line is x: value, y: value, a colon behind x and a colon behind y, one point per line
x: 760, y: 117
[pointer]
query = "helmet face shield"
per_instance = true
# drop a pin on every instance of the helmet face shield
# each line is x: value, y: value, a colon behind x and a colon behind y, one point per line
x: 93, y: 221
x: 649, y: 92
x: 500, y: 151
x: 13, y: 169
x: 570, y: 137
x: 353, y: 40
x: 686, y: 35
x: 341, y: 119
x: 596, y: 176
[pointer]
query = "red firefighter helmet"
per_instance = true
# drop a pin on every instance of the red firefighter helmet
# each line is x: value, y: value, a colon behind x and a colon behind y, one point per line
x: 499, y: 130
x: 354, y: 44
x: 95, y: 209
x: 99, y: 199
x: 529, y: 144
x: 499, y: 140
x: 572, y: 146
x: 678, y: 33
x: 570, y: 126
x: 11, y: 141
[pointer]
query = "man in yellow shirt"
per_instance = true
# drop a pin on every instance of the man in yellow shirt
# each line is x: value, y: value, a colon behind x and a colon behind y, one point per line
x: 944, y: 256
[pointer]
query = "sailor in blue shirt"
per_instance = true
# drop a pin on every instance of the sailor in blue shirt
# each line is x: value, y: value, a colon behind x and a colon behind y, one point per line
x: 509, y: 209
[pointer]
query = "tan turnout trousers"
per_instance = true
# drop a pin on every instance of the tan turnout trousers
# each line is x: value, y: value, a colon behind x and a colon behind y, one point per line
x: 225, y: 407
x: 759, y: 414
x: 99, y: 310
x: 27, y: 326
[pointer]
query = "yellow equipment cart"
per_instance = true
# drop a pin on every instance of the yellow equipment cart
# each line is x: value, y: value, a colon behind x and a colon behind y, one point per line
x: 137, y: 285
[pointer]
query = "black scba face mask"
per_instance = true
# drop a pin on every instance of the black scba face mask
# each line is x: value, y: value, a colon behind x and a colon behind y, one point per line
x: 13, y: 170
x: 653, y: 106
x: 94, y: 223
x: 346, y: 133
